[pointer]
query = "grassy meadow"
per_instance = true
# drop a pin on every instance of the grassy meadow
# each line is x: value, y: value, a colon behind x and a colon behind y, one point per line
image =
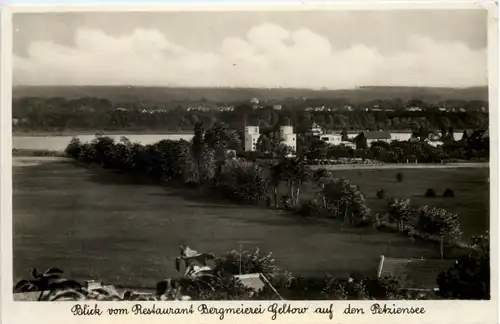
x: 93, y: 223
x: 469, y: 184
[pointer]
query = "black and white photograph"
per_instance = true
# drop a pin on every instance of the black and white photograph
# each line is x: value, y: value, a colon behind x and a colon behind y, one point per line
x: 242, y: 155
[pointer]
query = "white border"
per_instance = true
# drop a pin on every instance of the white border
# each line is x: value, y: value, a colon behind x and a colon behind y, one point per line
x: 437, y: 311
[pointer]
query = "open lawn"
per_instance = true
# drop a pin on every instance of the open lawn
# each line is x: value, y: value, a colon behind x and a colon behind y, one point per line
x: 469, y: 183
x: 96, y: 224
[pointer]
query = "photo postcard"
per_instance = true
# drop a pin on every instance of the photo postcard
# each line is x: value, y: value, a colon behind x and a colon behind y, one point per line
x: 261, y: 163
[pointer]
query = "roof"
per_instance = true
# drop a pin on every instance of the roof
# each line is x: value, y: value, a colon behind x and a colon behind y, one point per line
x: 314, y: 125
x: 251, y: 280
x: 414, y: 273
x: 376, y: 135
x: 468, y: 132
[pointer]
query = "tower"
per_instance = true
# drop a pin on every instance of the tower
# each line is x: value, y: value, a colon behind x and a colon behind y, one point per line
x: 251, y: 137
x: 288, y: 137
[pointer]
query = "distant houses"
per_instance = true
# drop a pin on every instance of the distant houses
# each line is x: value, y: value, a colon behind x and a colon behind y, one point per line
x: 315, y: 130
x: 366, y: 138
x: 331, y: 139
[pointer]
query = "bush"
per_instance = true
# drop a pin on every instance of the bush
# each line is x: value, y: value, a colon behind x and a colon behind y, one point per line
x: 430, y: 193
x: 448, y: 193
x: 74, y: 148
x: 399, y: 177
x: 241, y: 181
x: 310, y: 208
x: 381, y: 194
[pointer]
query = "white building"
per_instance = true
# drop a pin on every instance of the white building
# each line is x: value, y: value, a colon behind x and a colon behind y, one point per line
x: 401, y: 136
x: 331, y: 139
x: 288, y: 137
x: 315, y: 130
x: 252, y: 135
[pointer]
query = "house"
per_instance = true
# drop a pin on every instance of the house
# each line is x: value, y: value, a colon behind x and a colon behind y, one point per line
x: 229, y: 108
x: 434, y: 143
x: 414, y: 274
x: 365, y: 139
x: 289, y: 137
x: 348, y: 144
x: 256, y: 281
x: 467, y: 134
x: 315, y: 130
x: 254, y: 102
x: 401, y: 136
x: 331, y: 139
x: 251, y: 280
x: 277, y: 107
x: 475, y: 135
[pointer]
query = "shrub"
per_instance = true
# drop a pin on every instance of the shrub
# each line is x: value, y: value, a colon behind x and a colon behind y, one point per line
x: 399, y: 177
x: 448, y: 193
x: 241, y: 181
x: 251, y: 262
x: 310, y: 208
x: 430, y: 193
x: 74, y: 148
x: 381, y: 194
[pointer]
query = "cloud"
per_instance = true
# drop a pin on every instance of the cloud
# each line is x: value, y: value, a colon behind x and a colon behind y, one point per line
x: 269, y: 56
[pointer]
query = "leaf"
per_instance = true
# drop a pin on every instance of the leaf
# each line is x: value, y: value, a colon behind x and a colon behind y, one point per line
x: 21, y: 283
x: 67, y: 295
x: 53, y: 270
x: 61, y: 283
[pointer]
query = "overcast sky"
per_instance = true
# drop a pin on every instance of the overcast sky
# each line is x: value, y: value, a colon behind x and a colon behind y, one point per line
x: 332, y: 49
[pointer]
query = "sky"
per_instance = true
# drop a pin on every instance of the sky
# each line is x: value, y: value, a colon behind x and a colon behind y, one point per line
x: 301, y: 49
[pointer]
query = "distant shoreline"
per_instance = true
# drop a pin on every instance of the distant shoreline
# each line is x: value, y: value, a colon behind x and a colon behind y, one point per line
x: 143, y: 132
x: 94, y: 132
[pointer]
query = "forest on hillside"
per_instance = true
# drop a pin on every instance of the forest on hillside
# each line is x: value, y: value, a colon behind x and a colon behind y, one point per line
x: 90, y: 113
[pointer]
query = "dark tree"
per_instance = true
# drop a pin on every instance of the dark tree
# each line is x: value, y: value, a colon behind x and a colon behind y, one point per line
x: 469, y: 278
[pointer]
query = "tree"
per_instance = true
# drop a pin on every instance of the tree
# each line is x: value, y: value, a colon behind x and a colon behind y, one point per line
x: 197, y: 144
x: 221, y: 138
x: 295, y: 173
x: 275, y: 179
x: 400, y: 212
x: 346, y: 201
x: 208, y: 164
x: 242, y: 181
x: 469, y: 277
x: 321, y: 177
x: 439, y: 222
x: 264, y: 144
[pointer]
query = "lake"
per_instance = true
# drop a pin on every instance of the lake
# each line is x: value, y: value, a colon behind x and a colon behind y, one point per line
x: 59, y: 143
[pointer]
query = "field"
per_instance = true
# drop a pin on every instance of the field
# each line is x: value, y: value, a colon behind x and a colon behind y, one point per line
x: 469, y: 184
x: 96, y: 224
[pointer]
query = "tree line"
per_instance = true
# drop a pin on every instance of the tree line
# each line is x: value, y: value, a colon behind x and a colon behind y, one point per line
x: 59, y: 114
